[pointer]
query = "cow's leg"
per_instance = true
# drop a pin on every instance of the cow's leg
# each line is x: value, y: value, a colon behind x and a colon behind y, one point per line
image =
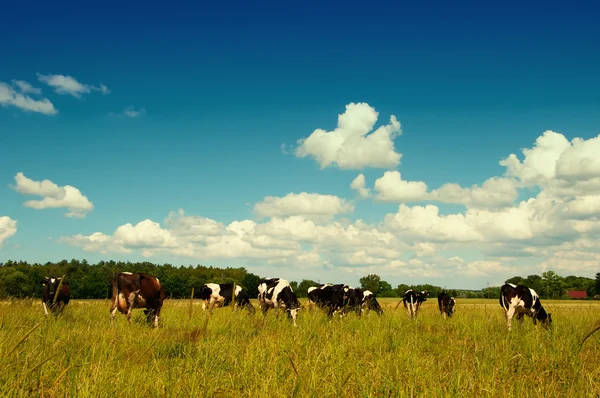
x: 444, y: 315
x: 45, y: 309
x: 520, y: 317
x: 509, y: 316
x: 130, y: 304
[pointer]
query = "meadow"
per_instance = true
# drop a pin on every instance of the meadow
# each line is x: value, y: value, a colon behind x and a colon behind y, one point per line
x: 234, y: 354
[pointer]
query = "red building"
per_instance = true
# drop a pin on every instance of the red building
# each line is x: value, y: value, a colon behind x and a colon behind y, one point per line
x: 577, y: 294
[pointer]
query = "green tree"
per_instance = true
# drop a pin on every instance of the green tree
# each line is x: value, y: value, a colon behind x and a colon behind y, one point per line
x: 386, y: 290
x: 597, y: 283
x: 370, y: 282
x: 303, y: 287
x: 516, y: 280
x: 554, y: 285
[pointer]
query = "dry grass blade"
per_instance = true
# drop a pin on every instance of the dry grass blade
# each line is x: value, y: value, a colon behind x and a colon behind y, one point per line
x: 594, y: 330
x: 60, y: 376
x: 293, y: 364
x: 23, y: 339
x: 58, y: 289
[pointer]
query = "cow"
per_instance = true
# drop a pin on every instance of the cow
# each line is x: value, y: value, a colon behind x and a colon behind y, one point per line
x: 412, y: 301
x: 522, y: 300
x: 360, y: 299
x: 221, y: 294
x: 53, y: 298
x: 446, y: 304
x: 137, y: 290
x: 277, y: 293
x: 328, y: 296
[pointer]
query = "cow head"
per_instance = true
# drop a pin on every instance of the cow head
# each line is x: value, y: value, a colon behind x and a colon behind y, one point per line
x: 50, y: 286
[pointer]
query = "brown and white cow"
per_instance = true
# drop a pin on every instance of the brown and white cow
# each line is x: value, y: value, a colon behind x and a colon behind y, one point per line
x: 51, y: 289
x: 137, y: 291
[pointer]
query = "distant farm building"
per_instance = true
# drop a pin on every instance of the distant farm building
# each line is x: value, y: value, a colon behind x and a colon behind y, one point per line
x: 577, y: 294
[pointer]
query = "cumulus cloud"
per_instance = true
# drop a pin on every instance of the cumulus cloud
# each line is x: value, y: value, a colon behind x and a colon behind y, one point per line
x: 494, y: 192
x: 392, y: 188
x: 54, y: 196
x: 8, y: 227
x: 69, y: 85
x: 305, y: 204
x: 11, y: 97
x: 352, y: 145
x: 358, y: 184
x: 552, y: 157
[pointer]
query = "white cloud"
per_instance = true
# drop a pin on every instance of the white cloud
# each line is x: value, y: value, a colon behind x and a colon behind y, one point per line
x: 552, y: 157
x: 10, y: 97
x: 26, y: 87
x: 69, y: 85
x: 392, y: 188
x: 350, y: 146
x: 8, y: 227
x: 54, y: 196
x: 493, y: 193
x: 130, y: 112
x: 358, y: 184
x: 305, y: 204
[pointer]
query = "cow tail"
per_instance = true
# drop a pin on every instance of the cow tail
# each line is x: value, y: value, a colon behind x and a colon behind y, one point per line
x: 115, y: 290
x: 503, y: 303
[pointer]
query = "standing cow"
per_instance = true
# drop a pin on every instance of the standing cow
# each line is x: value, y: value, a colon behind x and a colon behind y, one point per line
x: 53, y: 298
x: 360, y: 300
x: 328, y: 296
x: 221, y: 294
x: 521, y: 300
x: 277, y: 293
x: 446, y: 304
x: 131, y: 291
x: 412, y: 301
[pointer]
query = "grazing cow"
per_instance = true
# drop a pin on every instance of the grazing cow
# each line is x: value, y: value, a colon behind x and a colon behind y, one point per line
x: 522, y: 300
x: 131, y: 291
x: 221, y: 294
x: 446, y: 304
x: 331, y: 297
x: 361, y: 299
x: 277, y: 293
x: 51, y: 290
x: 412, y: 301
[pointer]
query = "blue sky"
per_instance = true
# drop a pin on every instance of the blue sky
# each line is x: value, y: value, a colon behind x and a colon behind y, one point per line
x: 154, y: 110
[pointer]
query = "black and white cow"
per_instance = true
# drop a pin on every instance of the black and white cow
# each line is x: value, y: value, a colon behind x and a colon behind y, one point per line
x: 521, y: 300
x: 359, y: 300
x: 446, y: 304
x: 328, y: 296
x: 277, y: 293
x: 221, y: 294
x: 412, y: 301
x: 63, y: 295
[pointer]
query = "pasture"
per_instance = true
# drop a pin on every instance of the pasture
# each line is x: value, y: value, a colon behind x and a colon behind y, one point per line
x: 234, y: 354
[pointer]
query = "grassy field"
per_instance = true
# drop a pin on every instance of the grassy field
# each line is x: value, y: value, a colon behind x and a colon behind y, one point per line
x: 233, y: 354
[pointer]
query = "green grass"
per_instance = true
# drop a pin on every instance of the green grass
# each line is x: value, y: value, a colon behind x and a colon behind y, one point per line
x: 238, y: 355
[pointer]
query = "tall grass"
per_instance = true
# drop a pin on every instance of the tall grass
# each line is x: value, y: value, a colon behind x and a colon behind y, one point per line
x: 236, y: 354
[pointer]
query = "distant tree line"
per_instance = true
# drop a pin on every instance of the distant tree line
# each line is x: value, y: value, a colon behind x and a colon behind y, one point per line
x: 93, y: 281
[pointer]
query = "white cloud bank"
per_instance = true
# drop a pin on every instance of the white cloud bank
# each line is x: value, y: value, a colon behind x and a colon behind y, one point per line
x: 559, y: 227
x: 309, y: 205
x: 69, y: 85
x: 8, y: 227
x: 352, y: 145
x: 54, y: 196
